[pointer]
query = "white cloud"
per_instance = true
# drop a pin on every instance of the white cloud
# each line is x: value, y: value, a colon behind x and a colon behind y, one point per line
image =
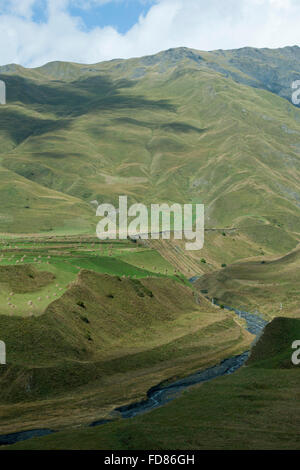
x: 16, y: 7
x: 197, y: 24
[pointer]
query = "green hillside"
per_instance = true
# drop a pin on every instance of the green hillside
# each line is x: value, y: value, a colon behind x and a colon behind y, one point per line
x: 270, y: 286
x: 273, y: 351
x: 179, y: 126
x: 104, y: 342
x: 89, y: 325
x: 256, y: 408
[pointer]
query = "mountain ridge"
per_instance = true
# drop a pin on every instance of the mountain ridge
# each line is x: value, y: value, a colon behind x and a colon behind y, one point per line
x: 164, y: 128
x: 222, y: 61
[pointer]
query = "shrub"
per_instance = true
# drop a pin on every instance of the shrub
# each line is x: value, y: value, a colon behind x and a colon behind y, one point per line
x: 85, y: 319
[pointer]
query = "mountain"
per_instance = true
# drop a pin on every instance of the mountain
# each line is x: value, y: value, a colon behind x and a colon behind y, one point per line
x: 183, y: 126
x: 180, y: 126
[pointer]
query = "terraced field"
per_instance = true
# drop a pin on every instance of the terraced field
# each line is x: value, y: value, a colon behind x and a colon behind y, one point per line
x: 26, y: 289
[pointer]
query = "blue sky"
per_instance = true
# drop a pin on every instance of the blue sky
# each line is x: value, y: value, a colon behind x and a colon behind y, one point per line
x: 121, y: 14
x: 33, y: 32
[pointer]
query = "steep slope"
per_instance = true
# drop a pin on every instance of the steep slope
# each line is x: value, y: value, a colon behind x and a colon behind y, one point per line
x: 29, y: 207
x: 269, y: 69
x: 171, y: 127
x: 274, y: 349
x: 269, y: 286
x: 255, y: 408
x: 104, y: 343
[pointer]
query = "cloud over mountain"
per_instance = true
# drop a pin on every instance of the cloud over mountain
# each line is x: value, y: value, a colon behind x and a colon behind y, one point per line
x: 60, y: 33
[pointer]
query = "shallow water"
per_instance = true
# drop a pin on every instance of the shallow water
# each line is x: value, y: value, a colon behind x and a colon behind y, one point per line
x: 7, y: 439
x: 161, y: 395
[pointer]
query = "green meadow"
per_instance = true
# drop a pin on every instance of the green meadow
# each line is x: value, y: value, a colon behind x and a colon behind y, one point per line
x: 53, y: 263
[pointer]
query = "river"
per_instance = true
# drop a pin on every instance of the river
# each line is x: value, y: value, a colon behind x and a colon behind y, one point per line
x: 160, y: 395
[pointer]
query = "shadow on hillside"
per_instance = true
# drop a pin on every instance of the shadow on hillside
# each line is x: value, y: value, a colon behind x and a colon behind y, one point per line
x: 181, y: 127
x: 20, y: 126
x: 71, y: 99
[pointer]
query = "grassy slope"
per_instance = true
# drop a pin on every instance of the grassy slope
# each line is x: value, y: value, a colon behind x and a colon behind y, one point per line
x: 256, y: 408
x: 95, y: 348
x: 253, y: 285
x: 221, y: 246
x: 163, y: 128
x: 64, y: 257
x: 28, y: 207
x: 180, y: 126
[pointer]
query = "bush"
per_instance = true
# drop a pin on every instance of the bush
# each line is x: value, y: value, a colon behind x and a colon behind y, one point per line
x: 85, y: 319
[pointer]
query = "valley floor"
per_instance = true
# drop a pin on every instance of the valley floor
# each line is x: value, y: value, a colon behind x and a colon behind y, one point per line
x: 90, y: 327
x: 78, y: 347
